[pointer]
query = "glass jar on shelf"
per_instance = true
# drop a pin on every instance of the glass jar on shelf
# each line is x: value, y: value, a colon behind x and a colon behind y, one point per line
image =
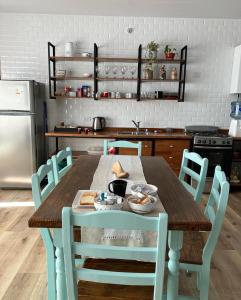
x: 148, y: 72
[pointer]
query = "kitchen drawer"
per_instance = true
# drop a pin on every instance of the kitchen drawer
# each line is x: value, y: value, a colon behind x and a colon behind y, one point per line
x: 170, y: 147
x: 172, y: 151
x: 146, y: 149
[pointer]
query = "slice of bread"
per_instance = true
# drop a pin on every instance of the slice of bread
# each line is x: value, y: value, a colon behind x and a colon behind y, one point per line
x: 87, y: 198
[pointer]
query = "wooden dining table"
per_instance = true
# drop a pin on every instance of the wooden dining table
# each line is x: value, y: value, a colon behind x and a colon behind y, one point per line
x: 183, y: 213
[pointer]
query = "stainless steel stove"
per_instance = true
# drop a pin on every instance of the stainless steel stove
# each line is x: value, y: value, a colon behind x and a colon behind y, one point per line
x: 212, y: 139
x: 215, y: 146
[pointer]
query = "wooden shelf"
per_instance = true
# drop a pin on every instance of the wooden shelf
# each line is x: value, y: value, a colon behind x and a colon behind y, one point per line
x: 115, y: 79
x: 72, y: 78
x: 169, y: 98
x: 122, y: 98
x: 95, y: 59
x: 72, y: 58
x: 72, y: 97
x: 118, y: 59
x: 163, y: 60
x: 161, y: 80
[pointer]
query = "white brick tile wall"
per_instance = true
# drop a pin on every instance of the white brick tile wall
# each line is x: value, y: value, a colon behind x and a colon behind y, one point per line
x: 23, y: 52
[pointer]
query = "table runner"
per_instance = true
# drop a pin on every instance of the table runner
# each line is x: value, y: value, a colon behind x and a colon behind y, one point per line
x: 103, y: 175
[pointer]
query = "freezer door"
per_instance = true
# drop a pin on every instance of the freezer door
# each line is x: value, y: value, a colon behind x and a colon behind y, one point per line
x: 16, y: 95
x: 17, y: 150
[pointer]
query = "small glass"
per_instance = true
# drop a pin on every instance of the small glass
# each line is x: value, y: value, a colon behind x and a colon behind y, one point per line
x: 107, y: 70
x: 114, y: 71
x: 133, y: 71
x: 123, y: 71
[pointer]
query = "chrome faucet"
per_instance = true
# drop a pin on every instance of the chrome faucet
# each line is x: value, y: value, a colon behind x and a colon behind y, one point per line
x: 137, y: 125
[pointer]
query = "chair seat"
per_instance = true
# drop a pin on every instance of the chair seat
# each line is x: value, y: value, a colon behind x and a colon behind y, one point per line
x: 193, y: 244
x: 99, y: 291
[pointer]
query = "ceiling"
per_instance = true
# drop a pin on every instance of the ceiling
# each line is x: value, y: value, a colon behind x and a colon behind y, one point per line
x: 157, y: 8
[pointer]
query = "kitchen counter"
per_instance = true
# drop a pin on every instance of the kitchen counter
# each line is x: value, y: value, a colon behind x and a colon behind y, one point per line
x: 122, y: 133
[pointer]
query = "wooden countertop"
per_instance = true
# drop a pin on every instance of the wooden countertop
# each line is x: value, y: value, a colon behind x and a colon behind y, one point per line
x: 116, y: 133
x: 113, y: 133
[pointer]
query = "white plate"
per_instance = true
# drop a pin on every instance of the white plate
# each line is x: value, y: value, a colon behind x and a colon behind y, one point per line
x: 142, y: 208
x: 76, y: 202
x: 148, y: 189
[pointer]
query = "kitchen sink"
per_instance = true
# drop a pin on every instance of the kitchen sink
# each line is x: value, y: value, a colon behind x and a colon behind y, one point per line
x: 134, y: 132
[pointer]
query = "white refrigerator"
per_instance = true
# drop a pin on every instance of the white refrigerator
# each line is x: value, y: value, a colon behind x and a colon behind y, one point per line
x: 22, y: 128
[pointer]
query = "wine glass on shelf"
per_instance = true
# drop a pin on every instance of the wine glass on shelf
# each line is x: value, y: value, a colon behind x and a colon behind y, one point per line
x: 107, y: 70
x: 98, y: 70
x: 114, y: 71
x: 123, y: 71
x: 133, y: 71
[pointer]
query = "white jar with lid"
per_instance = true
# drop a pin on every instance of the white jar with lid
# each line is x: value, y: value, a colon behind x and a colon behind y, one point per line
x: 69, y: 49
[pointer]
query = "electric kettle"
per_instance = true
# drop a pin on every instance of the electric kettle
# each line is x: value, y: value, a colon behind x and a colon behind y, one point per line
x: 98, y: 123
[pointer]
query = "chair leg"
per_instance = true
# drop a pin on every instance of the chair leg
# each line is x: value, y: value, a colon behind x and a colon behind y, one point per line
x: 204, y: 284
x: 198, y: 280
x: 51, y: 276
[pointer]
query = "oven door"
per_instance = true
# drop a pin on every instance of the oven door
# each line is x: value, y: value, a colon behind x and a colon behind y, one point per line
x: 216, y: 155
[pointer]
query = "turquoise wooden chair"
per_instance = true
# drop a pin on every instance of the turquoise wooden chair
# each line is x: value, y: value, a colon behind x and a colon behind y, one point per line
x: 214, y: 211
x: 199, y: 178
x: 116, y: 220
x: 45, y: 173
x: 62, y: 162
x: 122, y: 144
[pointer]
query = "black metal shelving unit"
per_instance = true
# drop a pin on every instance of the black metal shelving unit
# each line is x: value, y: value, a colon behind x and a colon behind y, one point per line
x: 179, y: 96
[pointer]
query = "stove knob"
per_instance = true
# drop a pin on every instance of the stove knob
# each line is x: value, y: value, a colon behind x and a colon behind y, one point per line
x: 204, y: 141
x: 210, y: 142
x: 214, y: 142
x: 223, y: 142
x: 228, y: 142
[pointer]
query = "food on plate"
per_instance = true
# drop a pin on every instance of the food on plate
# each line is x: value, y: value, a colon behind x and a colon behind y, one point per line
x: 142, y: 201
x: 87, y: 198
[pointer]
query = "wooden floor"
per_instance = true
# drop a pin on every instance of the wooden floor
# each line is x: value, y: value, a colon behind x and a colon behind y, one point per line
x: 22, y: 254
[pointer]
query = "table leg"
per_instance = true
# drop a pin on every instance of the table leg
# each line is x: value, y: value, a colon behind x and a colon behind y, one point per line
x: 56, y: 145
x: 175, y: 245
x: 60, y: 270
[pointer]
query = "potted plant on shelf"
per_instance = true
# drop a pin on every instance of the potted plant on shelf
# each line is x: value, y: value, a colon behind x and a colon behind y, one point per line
x: 170, y: 52
x: 151, y: 50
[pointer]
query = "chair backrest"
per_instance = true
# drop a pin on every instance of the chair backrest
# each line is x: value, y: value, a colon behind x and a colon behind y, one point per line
x: 196, y: 183
x: 215, y: 210
x: 122, y: 144
x: 116, y: 220
x: 45, y: 176
x: 44, y: 173
x: 62, y: 162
